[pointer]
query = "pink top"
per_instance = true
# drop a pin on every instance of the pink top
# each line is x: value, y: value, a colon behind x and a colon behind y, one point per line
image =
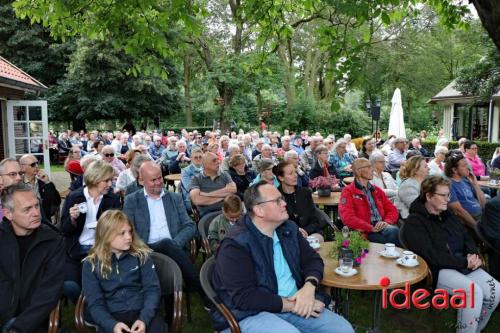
x: 477, y: 165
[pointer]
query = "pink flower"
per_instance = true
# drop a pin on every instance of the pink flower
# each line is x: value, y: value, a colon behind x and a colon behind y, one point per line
x: 345, y: 243
x: 358, y: 260
x: 363, y: 254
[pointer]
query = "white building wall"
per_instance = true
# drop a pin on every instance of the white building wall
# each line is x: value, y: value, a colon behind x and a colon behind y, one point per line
x: 447, y: 119
x: 496, y: 123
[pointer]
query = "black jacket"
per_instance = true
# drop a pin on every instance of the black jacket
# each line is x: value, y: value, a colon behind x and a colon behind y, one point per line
x: 304, y: 214
x: 430, y: 237
x: 50, y: 198
x: 73, y: 231
x: 317, y: 170
x: 37, y: 290
x: 253, y: 286
x: 242, y: 182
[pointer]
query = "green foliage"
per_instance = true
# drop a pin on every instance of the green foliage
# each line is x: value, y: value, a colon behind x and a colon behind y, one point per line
x: 31, y: 48
x: 318, y: 116
x: 482, y: 78
x: 485, y: 149
x: 140, y: 28
x: 357, y: 243
x: 97, y: 86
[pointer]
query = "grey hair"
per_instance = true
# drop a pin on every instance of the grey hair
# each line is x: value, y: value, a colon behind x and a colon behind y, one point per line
x: 375, y: 156
x: 440, y: 149
x: 264, y: 164
x: 8, y: 194
x: 339, y: 142
x: 137, y: 162
x: 87, y: 159
x: 5, y: 161
x: 232, y: 147
x: 180, y: 142
x: 196, y: 150
x: 289, y: 154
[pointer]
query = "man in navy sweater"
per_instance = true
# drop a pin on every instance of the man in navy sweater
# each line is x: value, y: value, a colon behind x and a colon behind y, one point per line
x: 267, y: 274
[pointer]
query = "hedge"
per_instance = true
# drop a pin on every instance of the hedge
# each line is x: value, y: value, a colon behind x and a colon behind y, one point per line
x: 485, y: 149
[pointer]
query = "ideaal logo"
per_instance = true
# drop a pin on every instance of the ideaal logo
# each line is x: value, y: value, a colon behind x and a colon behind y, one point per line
x: 419, y: 298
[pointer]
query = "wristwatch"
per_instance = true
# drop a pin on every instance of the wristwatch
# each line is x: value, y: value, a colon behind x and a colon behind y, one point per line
x: 313, y: 281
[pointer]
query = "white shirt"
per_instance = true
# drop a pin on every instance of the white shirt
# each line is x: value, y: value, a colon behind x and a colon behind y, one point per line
x: 87, y: 236
x: 158, y: 229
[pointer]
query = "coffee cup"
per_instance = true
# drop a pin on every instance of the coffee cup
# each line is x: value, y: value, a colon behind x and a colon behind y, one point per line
x: 313, y: 242
x: 82, y: 207
x: 409, y: 258
x: 390, y: 249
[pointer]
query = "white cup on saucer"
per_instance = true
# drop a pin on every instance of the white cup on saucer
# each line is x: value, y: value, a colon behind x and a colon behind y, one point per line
x: 409, y: 258
x: 313, y: 242
x: 390, y: 249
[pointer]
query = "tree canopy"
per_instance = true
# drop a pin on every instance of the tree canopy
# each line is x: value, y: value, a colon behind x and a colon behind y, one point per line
x: 293, y: 63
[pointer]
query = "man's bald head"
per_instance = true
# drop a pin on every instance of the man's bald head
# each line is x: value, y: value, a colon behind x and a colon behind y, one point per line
x: 360, y: 164
x: 210, y: 163
x: 151, y: 178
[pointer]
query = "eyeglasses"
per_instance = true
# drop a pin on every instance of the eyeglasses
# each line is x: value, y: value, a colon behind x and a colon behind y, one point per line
x: 34, y: 164
x: 277, y: 201
x: 444, y: 195
x: 109, y: 155
x: 197, y: 157
x: 13, y: 174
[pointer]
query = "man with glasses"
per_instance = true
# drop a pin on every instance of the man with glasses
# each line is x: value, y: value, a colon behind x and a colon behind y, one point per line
x: 10, y: 173
x: 40, y: 182
x: 275, y: 285
x: 365, y: 207
x: 210, y: 187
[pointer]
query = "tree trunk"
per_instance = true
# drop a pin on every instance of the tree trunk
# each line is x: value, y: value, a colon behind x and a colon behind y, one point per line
x: 258, y: 98
x: 187, y: 89
x: 489, y: 13
x: 289, y: 79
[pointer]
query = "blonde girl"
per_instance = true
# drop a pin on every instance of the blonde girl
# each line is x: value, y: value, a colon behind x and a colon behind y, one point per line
x: 119, y: 280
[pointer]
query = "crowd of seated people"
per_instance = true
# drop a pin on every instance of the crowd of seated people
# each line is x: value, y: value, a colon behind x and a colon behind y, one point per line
x: 119, y: 211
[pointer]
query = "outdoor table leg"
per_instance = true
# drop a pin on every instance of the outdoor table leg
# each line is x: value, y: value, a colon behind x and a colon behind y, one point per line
x: 376, y: 313
x: 341, y: 300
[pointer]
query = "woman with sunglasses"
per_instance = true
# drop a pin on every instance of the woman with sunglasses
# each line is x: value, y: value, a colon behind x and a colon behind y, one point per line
x: 82, y: 208
x: 434, y: 233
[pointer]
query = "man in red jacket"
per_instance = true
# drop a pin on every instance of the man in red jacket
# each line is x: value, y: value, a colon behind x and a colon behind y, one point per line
x: 365, y: 207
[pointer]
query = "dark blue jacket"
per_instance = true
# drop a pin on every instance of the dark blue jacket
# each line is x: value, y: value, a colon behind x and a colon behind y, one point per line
x: 129, y: 287
x: 244, y: 276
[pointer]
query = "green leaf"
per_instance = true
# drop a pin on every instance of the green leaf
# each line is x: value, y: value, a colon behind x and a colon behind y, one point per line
x: 386, y: 19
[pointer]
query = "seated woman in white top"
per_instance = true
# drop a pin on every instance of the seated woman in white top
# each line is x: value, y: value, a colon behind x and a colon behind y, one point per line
x: 382, y: 179
x: 413, y: 172
x: 436, y: 166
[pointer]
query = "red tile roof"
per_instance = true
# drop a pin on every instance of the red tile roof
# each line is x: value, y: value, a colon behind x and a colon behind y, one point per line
x: 13, y: 75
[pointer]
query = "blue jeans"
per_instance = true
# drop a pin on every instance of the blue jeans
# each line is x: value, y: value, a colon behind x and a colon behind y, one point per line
x: 389, y: 234
x: 7, y: 325
x: 265, y: 322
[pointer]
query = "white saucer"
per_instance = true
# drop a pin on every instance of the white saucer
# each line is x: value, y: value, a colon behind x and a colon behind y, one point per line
x: 353, y: 271
x: 400, y: 262
x: 315, y: 246
x: 396, y: 254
